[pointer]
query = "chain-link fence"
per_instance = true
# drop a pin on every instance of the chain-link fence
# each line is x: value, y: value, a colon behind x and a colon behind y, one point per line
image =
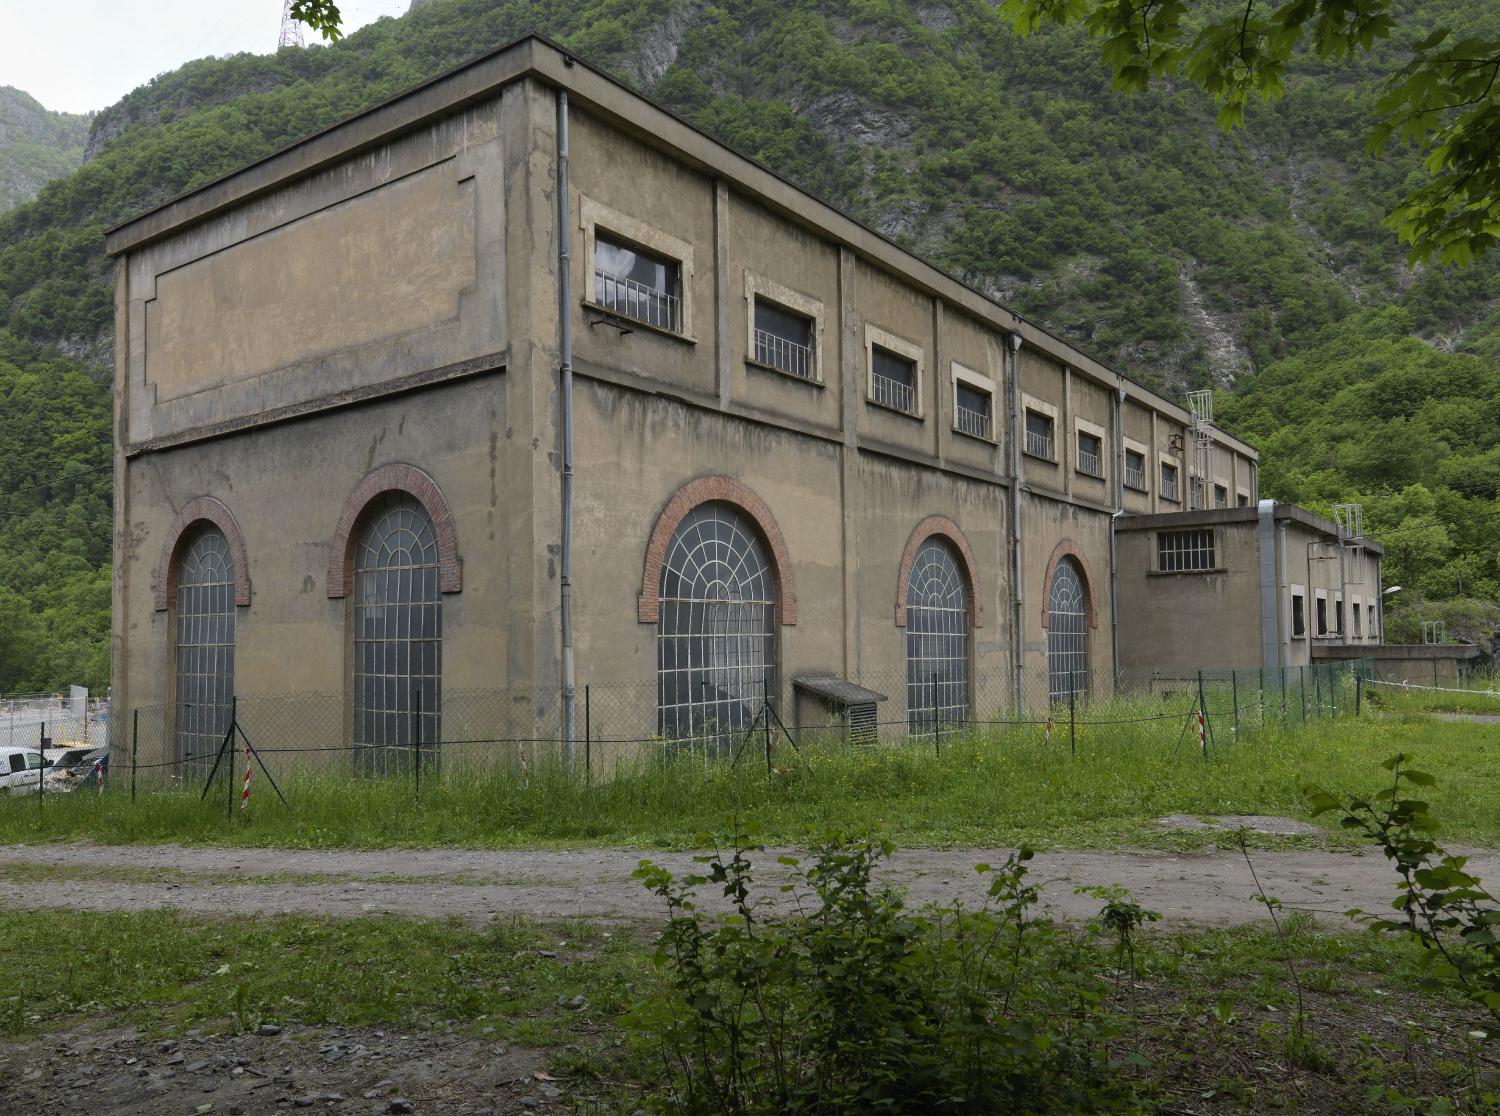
x: 618, y: 728
x: 48, y: 721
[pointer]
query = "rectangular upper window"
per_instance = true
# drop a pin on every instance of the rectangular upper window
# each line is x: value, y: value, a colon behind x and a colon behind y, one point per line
x: 1039, y: 429
x: 893, y: 380
x: 973, y: 411
x: 1322, y: 628
x: 784, y: 340
x: 1242, y: 499
x: 1338, y: 615
x: 1358, y: 626
x: 1184, y: 551
x: 636, y: 284
x: 1221, y: 496
x: 1135, y: 470
x: 1299, y: 615
x: 1169, y: 482
x: 1090, y: 454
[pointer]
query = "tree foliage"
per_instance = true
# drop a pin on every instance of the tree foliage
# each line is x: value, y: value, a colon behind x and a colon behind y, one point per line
x: 1444, y: 98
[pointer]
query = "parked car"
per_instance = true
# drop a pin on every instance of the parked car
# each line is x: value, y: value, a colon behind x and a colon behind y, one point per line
x: 20, y: 769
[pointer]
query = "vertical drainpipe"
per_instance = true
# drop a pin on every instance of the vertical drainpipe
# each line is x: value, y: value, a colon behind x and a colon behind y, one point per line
x: 1017, y: 573
x: 1270, y: 595
x: 565, y: 418
x: 1284, y: 588
x: 1114, y: 594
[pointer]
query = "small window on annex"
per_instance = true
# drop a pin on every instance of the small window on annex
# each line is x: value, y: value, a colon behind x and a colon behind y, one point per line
x: 1299, y: 614
x: 1221, y: 496
x: 1338, y: 615
x: 784, y: 340
x: 1169, y: 482
x: 1358, y: 623
x: 1184, y: 551
x: 893, y: 380
x: 1090, y: 454
x: 1322, y: 609
x: 1039, y: 435
x: 1242, y: 499
x: 637, y: 284
x: 1135, y: 470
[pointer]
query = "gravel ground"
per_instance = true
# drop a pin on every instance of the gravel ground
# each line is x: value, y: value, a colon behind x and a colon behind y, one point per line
x: 112, y: 1072
x: 1207, y: 889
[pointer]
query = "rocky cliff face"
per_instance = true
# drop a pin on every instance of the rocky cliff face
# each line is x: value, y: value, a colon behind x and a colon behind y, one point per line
x: 36, y: 146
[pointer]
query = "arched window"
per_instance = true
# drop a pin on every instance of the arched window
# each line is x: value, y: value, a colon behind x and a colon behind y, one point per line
x: 204, y: 658
x: 715, y: 643
x: 1067, y: 632
x: 398, y: 632
x: 937, y: 638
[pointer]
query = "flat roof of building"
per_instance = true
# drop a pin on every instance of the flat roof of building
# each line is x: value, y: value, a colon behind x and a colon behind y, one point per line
x: 533, y: 55
x: 1210, y: 517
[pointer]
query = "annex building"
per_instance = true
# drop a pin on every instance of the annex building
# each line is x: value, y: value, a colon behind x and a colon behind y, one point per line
x: 519, y: 383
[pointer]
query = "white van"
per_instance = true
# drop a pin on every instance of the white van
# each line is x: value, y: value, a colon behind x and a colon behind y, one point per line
x: 21, y: 769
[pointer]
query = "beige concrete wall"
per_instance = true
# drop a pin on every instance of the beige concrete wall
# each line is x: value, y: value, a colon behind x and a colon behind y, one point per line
x: 387, y: 266
x: 1047, y: 525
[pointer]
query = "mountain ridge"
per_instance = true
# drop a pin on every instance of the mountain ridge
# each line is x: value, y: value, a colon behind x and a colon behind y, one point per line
x: 36, y: 145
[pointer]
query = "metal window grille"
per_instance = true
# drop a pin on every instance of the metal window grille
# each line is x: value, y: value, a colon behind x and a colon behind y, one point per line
x: 1135, y: 471
x: 937, y: 639
x: 204, y: 657
x: 783, y: 355
x: 1090, y: 455
x: 398, y: 632
x: 630, y: 299
x: 1184, y: 551
x: 972, y: 412
x: 1169, y: 482
x: 715, y: 641
x: 783, y: 340
x: 892, y: 381
x: 1038, y: 435
x: 1067, y: 633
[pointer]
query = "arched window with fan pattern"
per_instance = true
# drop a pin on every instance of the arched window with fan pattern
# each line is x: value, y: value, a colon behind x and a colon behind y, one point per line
x: 203, y: 659
x: 1067, y: 632
x: 937, y: 638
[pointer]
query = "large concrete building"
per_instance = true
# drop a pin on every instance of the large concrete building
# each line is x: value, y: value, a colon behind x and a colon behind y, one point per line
x: 394, y: 425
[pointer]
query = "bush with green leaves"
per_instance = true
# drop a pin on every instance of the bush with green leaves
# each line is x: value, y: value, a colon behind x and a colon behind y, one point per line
x: 1440, y: 904
x: 846, y: 1001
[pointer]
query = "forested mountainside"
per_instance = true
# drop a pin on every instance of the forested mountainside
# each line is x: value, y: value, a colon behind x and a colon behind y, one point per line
x: 1132, y: 226
x: 36, y: 146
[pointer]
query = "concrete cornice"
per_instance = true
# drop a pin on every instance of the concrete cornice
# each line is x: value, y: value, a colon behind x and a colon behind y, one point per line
x: 594, y: 91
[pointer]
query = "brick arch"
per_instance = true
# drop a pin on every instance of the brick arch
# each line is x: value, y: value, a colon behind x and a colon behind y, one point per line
x: 1069, y: 549
x: 200, y: 509
x: 415, y: 483
x: 939, y: 525
x: 684, y: 500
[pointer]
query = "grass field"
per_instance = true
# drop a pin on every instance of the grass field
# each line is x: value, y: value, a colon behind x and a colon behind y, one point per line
x: 1481, y: 697
x: 997, y: 788
x: 1203, y: 1021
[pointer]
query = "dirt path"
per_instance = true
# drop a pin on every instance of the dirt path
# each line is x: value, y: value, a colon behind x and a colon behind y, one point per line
x: 1212, y: 889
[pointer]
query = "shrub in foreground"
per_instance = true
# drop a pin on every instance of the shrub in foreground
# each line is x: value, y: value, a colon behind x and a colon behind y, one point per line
x: 850, y: 1002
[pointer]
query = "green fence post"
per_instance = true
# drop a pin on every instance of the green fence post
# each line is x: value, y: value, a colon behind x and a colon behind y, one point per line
x: 41, y: 750
x: 1262, y: 692
x: 1234, y: 696
x: 937, y: 730
x: 135, y: 745
x: 1359, y: 685
x: 1302, y: 671
x: 1333, y: 691
x: 588, y: 740
x: 416, y: 732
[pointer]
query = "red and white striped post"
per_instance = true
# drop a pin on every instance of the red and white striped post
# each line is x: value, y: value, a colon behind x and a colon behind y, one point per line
x: 1202, y: 736
x: 99, y: 775
x: 245, y: 793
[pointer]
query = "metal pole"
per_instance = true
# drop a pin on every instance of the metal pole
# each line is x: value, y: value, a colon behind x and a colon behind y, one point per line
x: 1317, y: 692
x: 416, y: 735
x: 937, y: 729
x: 1072, y: 714
x: 1303, y: 672
x: 766, y: 712
x: 1333, y: 690
x: 1262, y: 698
x: 1359, y: 685
x: 1203, y: 709
x: 135, y: 745
x: 1234, y: 692
x: 42, y: 752
x: 588, y: 739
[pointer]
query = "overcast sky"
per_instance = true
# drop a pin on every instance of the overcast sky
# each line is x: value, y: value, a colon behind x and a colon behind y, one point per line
x: 82, y: 55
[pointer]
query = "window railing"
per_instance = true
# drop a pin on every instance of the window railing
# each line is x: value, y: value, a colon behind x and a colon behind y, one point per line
x: 1135, y: 478
x: 891, y: 393
x: 783, y: 355
x: 970, y: 421
x: 637, y: 301
x: 1039, y: 444
x: 1089, y: 463
x: 1169, y: 488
